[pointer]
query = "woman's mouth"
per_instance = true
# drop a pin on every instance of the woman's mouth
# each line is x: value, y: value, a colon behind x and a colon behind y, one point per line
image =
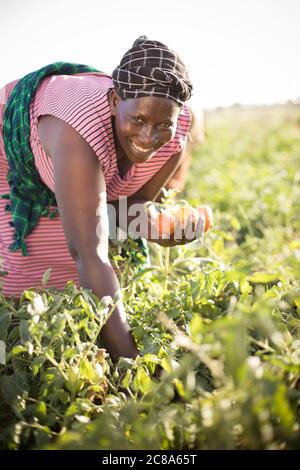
x: 141, y: 150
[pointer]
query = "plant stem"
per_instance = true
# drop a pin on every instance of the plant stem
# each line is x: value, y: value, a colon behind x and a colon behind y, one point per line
x: 166, y: 267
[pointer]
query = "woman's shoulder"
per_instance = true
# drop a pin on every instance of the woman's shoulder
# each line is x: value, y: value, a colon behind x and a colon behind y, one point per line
x: 183, y: 125
x: 185, y: 116
x: 81, y: 102
x: 70, y: 85
x: 73, y: 97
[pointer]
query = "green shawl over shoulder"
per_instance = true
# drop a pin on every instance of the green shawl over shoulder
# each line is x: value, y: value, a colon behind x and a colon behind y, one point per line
x: 29, y: 197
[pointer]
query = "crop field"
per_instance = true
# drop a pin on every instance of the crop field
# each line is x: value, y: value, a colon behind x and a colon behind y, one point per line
x: 217, y: 322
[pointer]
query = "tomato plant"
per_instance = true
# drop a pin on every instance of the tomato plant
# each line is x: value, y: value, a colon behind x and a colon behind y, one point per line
x: 216, y: 321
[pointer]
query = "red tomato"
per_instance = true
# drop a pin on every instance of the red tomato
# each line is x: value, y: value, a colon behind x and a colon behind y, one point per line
x: 208, y: 215
x: 165, y: 224
x: 183, y: 214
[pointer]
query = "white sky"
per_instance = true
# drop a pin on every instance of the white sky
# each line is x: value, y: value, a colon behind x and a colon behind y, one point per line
x: 243, y: 51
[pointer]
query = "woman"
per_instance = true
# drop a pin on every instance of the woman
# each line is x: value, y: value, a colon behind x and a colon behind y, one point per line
x: 87, y: 138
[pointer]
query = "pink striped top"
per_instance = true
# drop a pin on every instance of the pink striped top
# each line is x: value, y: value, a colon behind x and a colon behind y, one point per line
x: 81, y: 101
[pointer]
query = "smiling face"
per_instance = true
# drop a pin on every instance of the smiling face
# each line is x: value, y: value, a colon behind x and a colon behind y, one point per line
x: 143, y: 125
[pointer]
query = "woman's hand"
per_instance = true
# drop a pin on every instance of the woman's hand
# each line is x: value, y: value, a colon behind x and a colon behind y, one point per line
x: 181, y: 228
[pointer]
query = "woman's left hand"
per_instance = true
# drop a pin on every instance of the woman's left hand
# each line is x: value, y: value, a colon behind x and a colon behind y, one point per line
x: 187, y: 228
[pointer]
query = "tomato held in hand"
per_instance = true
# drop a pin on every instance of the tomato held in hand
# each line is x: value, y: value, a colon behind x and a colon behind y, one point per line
x: 208, y: 215
x: 185, y: 213
x: 165, y: 224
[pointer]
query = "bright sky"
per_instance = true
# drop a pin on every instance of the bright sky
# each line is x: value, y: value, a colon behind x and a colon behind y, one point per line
x: 244, y: 51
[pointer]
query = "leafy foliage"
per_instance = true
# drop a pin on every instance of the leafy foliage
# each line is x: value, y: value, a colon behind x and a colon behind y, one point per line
x: 217, y: 323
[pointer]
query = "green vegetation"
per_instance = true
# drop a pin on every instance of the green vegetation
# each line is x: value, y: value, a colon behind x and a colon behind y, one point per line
x: 218, y: 323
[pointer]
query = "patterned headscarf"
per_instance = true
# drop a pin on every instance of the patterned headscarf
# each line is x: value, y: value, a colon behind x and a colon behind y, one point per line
x: 150, y: 68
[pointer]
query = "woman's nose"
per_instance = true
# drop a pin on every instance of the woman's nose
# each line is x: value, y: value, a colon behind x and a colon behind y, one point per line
x: 148, y: 137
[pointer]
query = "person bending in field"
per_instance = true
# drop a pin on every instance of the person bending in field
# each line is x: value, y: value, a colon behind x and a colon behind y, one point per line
x: 73, y: 139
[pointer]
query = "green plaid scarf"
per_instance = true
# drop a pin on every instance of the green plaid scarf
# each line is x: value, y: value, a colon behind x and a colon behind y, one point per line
x: 29, y: 197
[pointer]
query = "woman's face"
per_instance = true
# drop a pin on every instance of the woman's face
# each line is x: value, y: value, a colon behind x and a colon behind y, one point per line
x: 143, y: 125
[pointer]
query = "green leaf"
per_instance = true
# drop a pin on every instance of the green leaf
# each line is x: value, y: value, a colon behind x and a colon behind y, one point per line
x: 245, y: 287
x: 42, y: 436
x: 14, y: 334
x: 41, y: 409
x: 180, y: 388
x: 59, y: 323
x: 168, y: 364
x: 235, y: 223
x: 264, y: 278
x: 24, y: 331
x: 13, y: 387
x: 69, y: 353
x: 127, y: 379
x: 88, y: 371
x: 2, y: 353
x: 196, y: 326
x: 142, y: 382
x: 125, y: 363
x: 282, y: 407
x: 46, y: 277
x: 36, y: 365
x: 150, y: 359
x: 16, y: 350
x: 5, y: 318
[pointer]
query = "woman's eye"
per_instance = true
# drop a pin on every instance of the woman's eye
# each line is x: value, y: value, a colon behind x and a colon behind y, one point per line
x: 138, y: 120
x: 166, y: 125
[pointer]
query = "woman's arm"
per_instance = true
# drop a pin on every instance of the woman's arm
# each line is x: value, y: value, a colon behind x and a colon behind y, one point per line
x: 178, y: 179
x: 81, y: 196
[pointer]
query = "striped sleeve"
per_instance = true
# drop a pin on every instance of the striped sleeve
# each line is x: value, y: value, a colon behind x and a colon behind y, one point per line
x: 183, y: 128
x: 83, y: 106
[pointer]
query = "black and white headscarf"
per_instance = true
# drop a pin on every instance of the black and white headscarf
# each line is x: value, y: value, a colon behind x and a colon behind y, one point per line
x: 150, y: 68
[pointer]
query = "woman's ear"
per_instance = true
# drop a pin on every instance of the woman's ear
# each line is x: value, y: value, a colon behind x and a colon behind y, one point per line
x: 113, y: 99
